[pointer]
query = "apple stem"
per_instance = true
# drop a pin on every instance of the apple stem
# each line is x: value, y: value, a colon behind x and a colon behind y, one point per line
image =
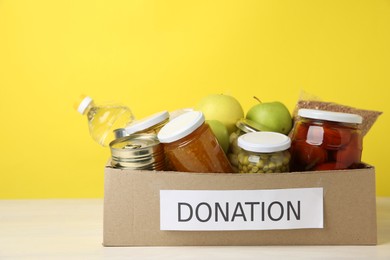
x: 257, y: 99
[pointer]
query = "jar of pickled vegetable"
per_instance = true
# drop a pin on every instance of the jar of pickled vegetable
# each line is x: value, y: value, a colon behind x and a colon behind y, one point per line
x: 243, y: 126
x: 190, y: 145
x: 264, y: 152
x: 325, y: 140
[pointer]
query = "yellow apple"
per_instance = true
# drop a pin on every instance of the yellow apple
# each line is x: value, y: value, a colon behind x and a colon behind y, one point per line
x: 223, y: 108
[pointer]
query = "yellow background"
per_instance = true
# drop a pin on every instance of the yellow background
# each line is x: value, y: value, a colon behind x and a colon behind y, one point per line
x: 157, y: 55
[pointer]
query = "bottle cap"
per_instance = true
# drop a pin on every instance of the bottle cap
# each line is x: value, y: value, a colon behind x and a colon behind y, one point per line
x: 147, y: 122
x: 181, y: 126
x: 330, y: 116
x: 120, y: 132
x: 84, y: 104
x: 264, y: 142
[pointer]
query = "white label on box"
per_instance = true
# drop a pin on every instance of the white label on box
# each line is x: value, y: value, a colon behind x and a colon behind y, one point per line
x: 241, y: 209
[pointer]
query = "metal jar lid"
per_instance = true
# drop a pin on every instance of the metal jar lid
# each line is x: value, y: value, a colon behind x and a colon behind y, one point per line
x: 137, y: 152
x: 247, y: 125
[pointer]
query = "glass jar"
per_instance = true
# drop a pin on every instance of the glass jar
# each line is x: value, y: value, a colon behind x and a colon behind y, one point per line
x: 148, y: 125
x: 264, y: 152
x: 243, y: 126
x: 325, y: 140
x: 191, y: 146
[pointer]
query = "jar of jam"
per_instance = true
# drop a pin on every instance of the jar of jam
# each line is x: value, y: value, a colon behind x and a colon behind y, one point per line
x: 190, y: 145
x: 325, y: 140
x: 264, y: 152
x: 243, y: 126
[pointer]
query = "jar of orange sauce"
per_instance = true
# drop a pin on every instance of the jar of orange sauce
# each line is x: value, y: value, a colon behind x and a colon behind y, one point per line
x: 190, y: 145
x: 325, y: 140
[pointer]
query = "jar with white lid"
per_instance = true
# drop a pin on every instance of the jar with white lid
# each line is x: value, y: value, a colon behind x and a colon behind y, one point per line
x: 264, y: 152
x: 243, y: 126
x: 326, y: 140
x: 190, y: 145
x: 148, y: 125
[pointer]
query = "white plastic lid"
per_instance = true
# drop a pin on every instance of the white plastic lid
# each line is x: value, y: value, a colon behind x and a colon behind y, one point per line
x: 180, y: 126
x: 84, y: 104
x: 330, y: 116
x: 178, y: 112
x: 264, y: 142
x: 147, y: 122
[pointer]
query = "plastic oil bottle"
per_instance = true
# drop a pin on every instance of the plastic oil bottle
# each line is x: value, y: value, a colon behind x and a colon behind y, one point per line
x: 104, y: 119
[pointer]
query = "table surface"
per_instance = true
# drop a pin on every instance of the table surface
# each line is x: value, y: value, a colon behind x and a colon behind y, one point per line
x: 73, y: 229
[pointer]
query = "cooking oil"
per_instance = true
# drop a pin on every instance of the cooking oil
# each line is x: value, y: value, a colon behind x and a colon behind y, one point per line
x: 104, y: 119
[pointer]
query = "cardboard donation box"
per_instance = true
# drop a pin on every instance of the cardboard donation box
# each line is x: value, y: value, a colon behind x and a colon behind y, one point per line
x: 157, y: 208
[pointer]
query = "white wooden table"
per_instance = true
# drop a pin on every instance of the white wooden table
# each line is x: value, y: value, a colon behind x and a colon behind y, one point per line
x: 72, y: 229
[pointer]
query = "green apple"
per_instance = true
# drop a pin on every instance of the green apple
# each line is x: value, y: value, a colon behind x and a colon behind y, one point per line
x: 223, y: 108
x: 271, y: 116
x: 221, y: 133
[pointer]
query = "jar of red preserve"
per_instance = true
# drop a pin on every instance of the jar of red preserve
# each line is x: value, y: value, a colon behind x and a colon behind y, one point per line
x: 190, y: 145
x: 324, y: 140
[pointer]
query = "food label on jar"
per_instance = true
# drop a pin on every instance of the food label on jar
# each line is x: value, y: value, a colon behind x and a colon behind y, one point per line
x: 241, y: 209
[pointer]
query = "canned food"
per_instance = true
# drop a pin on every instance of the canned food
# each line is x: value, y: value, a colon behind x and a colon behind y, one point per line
x: 264, y: 152
x: 138, y: 152
x: 325, y: 140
